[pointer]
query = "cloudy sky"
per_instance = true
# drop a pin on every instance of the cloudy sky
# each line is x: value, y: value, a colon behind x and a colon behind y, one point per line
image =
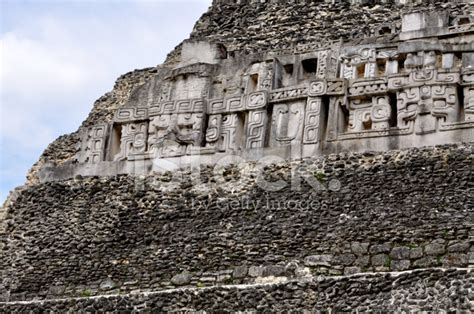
x: 58, y: 56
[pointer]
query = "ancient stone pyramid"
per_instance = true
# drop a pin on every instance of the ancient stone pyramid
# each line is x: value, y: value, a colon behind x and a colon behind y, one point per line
x: 307, y: 156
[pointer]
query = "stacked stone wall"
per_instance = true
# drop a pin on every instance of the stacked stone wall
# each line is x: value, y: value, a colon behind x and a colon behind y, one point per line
x: 418, y: 291
x: 352, y: 213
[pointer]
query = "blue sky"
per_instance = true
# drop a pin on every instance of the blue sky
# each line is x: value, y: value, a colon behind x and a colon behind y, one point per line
x: 58, y: 56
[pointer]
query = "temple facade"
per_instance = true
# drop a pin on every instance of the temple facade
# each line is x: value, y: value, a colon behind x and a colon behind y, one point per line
x: 414, y: 91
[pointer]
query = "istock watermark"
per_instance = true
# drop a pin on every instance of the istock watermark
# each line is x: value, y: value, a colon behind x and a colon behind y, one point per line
x: 233, y: 175
x: 247, y: 204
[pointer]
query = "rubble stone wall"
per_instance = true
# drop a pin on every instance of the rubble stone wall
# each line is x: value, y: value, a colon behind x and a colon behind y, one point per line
x: 352, y: 212
x: 418, y: 291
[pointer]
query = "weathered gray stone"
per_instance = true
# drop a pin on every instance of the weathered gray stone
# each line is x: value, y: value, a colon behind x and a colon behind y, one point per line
x: 181, y: 279
x: 400, y: 253
x: 455, y: 260
x: 273, y: 270
x: 359, y: 248
x: 318, y: 260
x: 107, y: 284
x: 380, y: 248
x: 256, y: 271
x: 240, y: 272
x: 399, y: 265
x: 380, y: 260
x: 435, y: 248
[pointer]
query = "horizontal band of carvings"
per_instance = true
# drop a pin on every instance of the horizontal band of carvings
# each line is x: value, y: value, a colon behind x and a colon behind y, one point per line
x: 368, y: 87
x: 197, y: 105
x: 330, y: 87
x: 168, y: 107
x: 456, y: 125
x: 374, y: 133
x: 131, y: 114
x: 284, y: 94
x: 252, y: 101
x: 458, y: 29
x: 423, y: 77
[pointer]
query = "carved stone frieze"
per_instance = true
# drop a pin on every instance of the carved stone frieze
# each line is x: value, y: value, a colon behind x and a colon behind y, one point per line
x: 91, y: 148
x: 211, y: 102
x: 133, y: 140
x: 285, y: 94
x: 311, y: 132
x: 256, y: 128
x: 287, y: 123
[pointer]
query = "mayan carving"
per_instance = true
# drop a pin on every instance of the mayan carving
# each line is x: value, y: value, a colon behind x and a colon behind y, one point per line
x: 133, y: 140
x: 287, y: 123
x: 311, y: 132
x: 322, y: 98
x: 173, y: 135
x: 256, y: 128
x: 92, y: 146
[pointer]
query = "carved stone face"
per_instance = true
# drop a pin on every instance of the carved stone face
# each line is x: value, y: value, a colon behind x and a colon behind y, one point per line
x: 172, y: 134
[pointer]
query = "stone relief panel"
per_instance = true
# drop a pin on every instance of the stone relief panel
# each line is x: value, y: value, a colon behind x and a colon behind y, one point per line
x: 256, y: 129
x: 311, y: 132
x: 91, y: 148
x: 427, y: 106
x: 133, y: 140
x: 469, y: 103
x: 468, y: 83
x: 371, y: 114
x: 176, y: 134
x: 358, y: 62
x: 317, y: 96
x: 287, y: 123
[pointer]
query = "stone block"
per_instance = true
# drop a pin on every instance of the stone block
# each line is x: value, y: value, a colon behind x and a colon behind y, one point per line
x: 455, y: 260
x: 400, y: 253
x: 379, y: 260
x: 256, y: 271
x: 107, y: 284
x: 362, y: 261
x: 399, y: 265
x: 380, y: 248
x: 459, y: 247
x: 181, y: 279
x: 318, y: 260
x: 359, y: 248
x: 345, y: 259
x: 273, y: 270
x: 427, y: 261
x: 240, y: 272
x: 435, y: 248
x: 416, y: 252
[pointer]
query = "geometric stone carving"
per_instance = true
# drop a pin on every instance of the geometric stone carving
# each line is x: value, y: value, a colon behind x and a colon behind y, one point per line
x: 133, y: 140
x: 428, y: 106
x: 369, y: 115
x: 224, y: 132
x: 469, y: 103
x: 317, y: 88
x: 287, y: 123
x: 311, y: 133
x: 91, y: 148
x: 381, y: 113
x: 256, y: 127
x: 290, y: 93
